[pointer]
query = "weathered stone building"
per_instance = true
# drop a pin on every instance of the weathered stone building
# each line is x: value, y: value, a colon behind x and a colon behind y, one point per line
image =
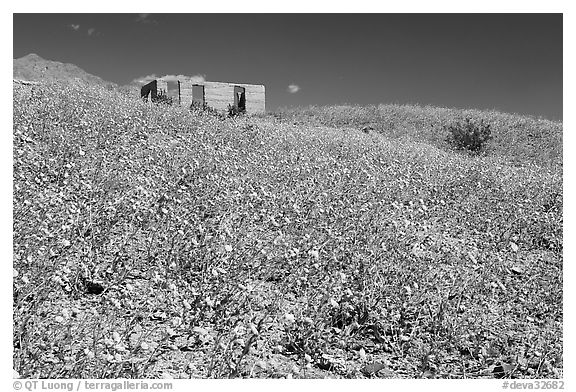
x: 217, y: 95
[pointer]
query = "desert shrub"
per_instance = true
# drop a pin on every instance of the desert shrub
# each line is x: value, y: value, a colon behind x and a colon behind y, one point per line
x: 468, y: 135
x: 234, y: 111
x: 197, y: 107
x: 162, y: 98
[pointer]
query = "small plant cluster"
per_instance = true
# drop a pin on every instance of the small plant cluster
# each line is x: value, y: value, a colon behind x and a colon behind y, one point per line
x: 155, y: 241
x: 235, y: 111
x: 204, y: 108
x: 468, y: 135
x: 163, y: 98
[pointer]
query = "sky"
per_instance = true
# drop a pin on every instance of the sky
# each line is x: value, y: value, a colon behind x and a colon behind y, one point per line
x: 508, y: 62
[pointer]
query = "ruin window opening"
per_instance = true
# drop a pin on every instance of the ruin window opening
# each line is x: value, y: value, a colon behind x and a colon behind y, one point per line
x: 173, y: 90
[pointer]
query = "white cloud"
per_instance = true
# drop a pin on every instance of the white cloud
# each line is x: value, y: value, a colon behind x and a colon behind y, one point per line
x: 91, y: 30
x: 170, y: 78
x: 293, y: 88
x: 74, y: 27
x: 145, y: 79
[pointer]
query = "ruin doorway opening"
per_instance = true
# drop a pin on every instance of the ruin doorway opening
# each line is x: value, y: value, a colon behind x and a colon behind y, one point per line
x: 240, y: 98
x: 198, y: 95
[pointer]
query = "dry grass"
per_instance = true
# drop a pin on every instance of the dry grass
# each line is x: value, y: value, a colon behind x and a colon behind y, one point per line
x: 253, y: 247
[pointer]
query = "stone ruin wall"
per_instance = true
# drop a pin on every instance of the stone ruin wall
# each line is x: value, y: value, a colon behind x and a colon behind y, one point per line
x: 219, y: 95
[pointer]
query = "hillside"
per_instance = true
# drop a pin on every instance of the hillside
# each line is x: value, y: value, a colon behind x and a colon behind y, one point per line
x: 518, y: 139
x: 34, y: 67
x: 150, y: 241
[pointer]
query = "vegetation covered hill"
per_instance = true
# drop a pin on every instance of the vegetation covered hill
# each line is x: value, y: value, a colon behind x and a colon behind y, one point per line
x: 158, y: 242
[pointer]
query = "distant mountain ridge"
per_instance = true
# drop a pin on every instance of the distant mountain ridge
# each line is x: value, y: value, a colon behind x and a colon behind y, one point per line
x: 34, y: 67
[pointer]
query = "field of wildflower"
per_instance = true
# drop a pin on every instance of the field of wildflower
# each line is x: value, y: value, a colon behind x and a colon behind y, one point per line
x: 150, y: 241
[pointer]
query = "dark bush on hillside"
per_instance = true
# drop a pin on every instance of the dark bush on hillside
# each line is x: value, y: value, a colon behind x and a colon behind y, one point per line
x: 234, y: 111
x: 163, y: 99
x: 468, y: 135
x: 197, y: 106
